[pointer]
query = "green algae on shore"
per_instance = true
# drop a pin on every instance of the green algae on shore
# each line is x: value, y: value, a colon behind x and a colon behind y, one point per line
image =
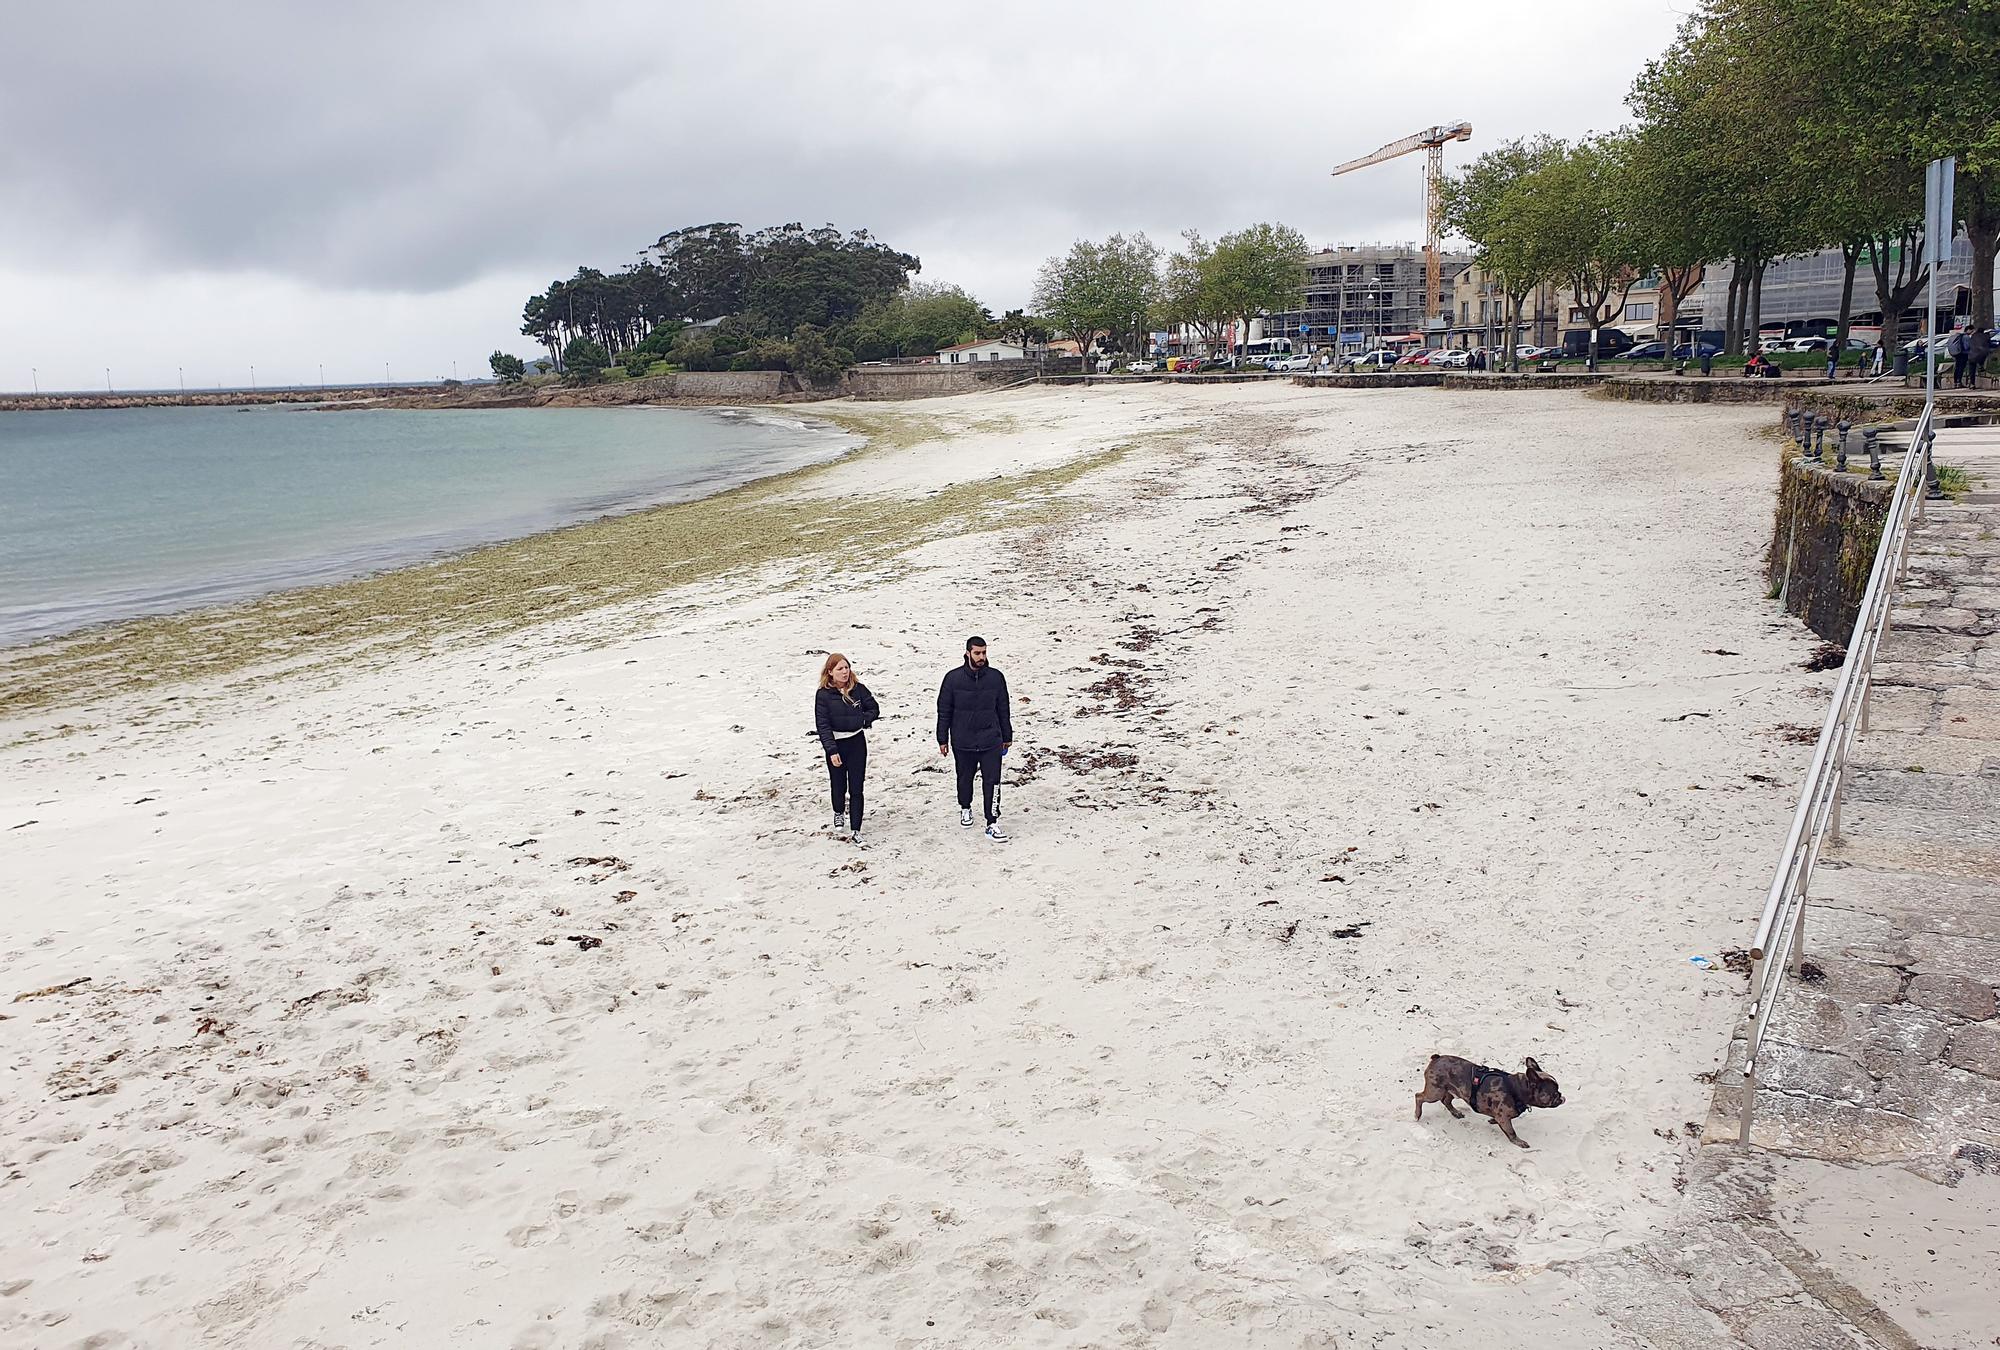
x: 504, y: 587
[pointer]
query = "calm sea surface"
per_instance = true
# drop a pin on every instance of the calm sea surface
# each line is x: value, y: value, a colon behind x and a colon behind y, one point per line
x: 107, y: 515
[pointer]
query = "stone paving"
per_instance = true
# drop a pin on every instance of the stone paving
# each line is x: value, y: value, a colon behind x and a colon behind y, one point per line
x: 1881, y: 1076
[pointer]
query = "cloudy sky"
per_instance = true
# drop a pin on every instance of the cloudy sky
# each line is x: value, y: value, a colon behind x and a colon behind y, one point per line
x: 212, y: 187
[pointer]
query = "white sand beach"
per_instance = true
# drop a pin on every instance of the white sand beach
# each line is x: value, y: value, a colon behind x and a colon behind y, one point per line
x: 1353, y: 726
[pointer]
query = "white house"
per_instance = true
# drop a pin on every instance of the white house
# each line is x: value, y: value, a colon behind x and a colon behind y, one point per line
x: 993, y: 349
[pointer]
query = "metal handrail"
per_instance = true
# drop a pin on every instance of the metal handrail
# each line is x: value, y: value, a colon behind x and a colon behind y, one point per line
x: 1780, y: 940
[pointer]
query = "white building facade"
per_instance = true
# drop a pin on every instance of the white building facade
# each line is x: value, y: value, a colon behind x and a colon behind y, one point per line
x: 993, y: 349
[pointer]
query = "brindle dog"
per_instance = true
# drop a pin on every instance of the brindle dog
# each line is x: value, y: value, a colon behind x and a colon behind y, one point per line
x: 1493, y: 1093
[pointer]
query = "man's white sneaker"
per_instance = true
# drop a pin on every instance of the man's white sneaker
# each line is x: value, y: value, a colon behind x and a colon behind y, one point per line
x: 995, y: 833
x: 965, y: 815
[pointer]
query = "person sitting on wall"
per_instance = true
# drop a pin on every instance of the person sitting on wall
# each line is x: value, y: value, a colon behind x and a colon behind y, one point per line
x: 1755, y: 365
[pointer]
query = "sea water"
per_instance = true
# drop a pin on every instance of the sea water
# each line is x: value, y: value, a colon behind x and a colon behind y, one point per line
x: 110, y: 514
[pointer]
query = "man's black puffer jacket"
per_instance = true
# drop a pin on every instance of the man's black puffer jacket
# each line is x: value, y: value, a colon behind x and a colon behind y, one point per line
x: 972, y: 709
x: 833, y: 713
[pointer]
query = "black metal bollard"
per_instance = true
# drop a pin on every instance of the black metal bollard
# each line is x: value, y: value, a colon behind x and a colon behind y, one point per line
x: 1868, y: 435
x: 1792, y: 424
x: 1840, y: 450
x: 1933, y: 488
x: 1819, y: 436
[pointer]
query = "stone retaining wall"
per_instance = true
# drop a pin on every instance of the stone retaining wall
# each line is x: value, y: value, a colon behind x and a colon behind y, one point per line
x: 1732, y: 388
x: 1527, y: 380
x: 888, y: 382
x: 1414, y: 379
x: 1823, y: 542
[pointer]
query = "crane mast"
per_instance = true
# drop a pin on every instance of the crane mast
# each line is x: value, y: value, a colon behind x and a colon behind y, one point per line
x: 1433, y: 141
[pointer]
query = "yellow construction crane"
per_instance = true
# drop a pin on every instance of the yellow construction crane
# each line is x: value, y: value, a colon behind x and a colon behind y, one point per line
x: 1433, y: 140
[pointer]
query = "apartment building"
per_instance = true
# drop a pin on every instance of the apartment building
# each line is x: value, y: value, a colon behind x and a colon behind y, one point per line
x: 1802, y: 294
x: 1359, y: 295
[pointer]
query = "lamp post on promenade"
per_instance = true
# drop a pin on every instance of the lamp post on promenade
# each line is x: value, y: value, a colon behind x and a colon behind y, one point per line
x: 181, y: 375
x: 107, y: 379
x: 253, y: 379
x: 36, y: 376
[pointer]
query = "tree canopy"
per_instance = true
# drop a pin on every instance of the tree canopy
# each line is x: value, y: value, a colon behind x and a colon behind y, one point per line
x: 715, y: 296
x: 1101, y: 290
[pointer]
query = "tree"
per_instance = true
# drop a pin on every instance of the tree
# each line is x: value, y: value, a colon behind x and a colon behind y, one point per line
x: 1721, y: 177
x: 1188, y: 296
x: 1022, y: 329
x: 1490, y: 204
x: 585, y: 361
x: 1257, y: 270
x: 816, y: 358
x: 507, y: 369
x: 1094, y: 289
x: 1580, y: 205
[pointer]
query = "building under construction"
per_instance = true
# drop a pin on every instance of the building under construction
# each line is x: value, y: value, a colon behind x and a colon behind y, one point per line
x: 1359, y: 296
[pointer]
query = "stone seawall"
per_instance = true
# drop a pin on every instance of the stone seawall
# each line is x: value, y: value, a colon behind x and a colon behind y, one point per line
x: 1526, y: 380
x: 1731, y: 388
x: 211, y: 399
x: 1413, y: 379
x: 890, y: 382
x: 1823, y: 542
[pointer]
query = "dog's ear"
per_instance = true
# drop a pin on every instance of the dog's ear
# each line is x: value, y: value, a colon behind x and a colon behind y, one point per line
x: 1534, y: 1069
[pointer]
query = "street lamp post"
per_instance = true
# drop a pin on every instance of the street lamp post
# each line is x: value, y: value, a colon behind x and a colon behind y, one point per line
x: 253, y: 379
x: 107, y: 379
x: 35, y: 375
x: 385, y: 374
x: 181, y: 375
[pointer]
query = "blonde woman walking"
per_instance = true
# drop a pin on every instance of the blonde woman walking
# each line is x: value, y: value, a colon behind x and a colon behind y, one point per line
x: 843, y: 710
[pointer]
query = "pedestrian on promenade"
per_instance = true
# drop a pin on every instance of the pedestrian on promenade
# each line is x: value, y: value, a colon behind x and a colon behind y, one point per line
x: 1957, y: 349
x: 974, y: 724
x: 843, y: 710
x: 1978, y: 346
x: 1875, y: 366
x: 1860, y: 362
x: 1832, y: 361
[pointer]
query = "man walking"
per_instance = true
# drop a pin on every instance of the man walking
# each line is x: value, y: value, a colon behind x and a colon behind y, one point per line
x: 1956, y: 348
x: 974, y: 724
x: 1977, y: 347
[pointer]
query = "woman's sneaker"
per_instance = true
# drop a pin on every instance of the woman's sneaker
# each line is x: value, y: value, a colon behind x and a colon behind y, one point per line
x: 839, y: 822
x: 995, y: 833
x: 965, y: 815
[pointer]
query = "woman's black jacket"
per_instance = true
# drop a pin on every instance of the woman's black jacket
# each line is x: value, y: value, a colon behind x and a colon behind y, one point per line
x: 833, y: 713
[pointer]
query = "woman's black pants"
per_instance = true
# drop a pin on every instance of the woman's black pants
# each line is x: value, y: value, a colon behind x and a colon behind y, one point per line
x: 847, y: 776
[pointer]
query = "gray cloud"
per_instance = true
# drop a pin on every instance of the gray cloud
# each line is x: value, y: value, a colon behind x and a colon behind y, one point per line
x: 419, y: 148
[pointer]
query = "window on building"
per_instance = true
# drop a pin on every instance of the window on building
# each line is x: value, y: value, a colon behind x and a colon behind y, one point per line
x: 1576, y: 315
x: 1642, y: 310
x: 1465, y: 311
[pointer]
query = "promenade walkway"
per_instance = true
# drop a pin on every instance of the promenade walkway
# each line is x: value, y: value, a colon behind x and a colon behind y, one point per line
x: 1869, y: 1212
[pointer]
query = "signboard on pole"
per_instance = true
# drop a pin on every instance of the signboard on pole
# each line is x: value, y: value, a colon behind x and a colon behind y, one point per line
x: 1940, y: 219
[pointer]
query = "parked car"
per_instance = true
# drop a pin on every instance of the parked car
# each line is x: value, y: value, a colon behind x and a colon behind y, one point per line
x: 1141, y: 368
x: 1695, y: 351
x: 1645, y: 351
x: 1610, y: 342
x: 1527, y: 351
x: 1289, y: 363
x: 1453, y: 360
x: 1378, y: 360
x: 1806, y: 344
x: 1190, y: 365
